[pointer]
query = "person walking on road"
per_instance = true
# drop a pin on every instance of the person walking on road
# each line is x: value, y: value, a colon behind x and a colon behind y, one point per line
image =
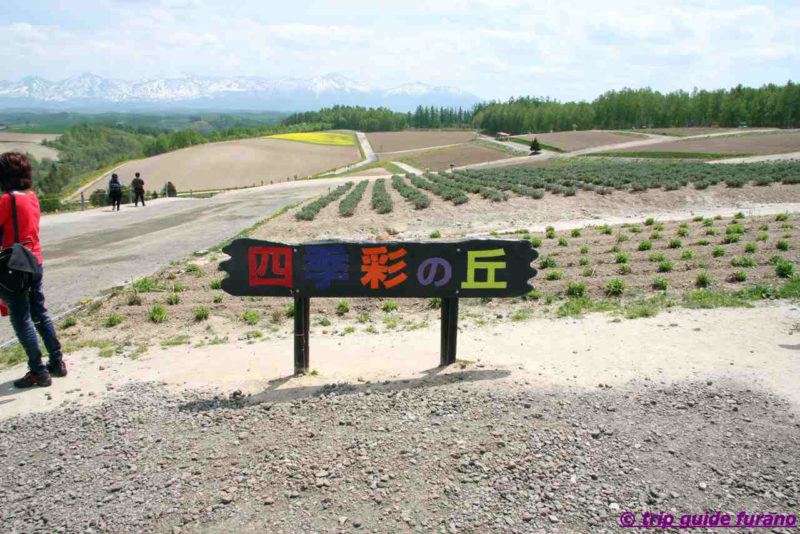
x: 138, y: 190
x: 26, y: 309
x: 115, y: 192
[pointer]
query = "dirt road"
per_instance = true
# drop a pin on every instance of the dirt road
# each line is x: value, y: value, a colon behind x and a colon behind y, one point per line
x: 86, y: 252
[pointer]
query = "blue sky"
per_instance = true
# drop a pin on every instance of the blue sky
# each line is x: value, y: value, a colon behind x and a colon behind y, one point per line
x: 493, y: 48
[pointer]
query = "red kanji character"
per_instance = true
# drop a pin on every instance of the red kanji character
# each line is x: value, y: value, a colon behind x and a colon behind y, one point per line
x: 375, y: 265
x: 280, y: 273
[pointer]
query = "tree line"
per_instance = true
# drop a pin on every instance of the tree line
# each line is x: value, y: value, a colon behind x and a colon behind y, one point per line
x: 384, y: 119
x: 769, y: 105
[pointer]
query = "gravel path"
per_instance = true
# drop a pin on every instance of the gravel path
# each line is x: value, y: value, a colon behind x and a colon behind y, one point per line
x: 437, y: 455
x: 760, y: 159
x: 369, y: 156
x: 408, y: 168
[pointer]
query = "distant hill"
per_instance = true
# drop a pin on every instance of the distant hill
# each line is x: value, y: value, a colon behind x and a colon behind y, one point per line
x: 88, y: 92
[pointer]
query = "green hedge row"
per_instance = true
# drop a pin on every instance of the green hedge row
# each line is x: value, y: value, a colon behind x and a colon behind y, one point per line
x: 348, y: 205
x: 381, y: 201
x: 310, y: 210
x: 417, y: 198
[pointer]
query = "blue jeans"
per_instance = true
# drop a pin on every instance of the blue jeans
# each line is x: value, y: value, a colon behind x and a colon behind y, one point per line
x: 28, y: 315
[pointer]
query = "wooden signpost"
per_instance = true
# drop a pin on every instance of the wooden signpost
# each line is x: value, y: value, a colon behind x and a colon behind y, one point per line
x: 449, y: 270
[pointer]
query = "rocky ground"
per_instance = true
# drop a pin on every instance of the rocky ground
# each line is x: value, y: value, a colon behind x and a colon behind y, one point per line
x: 440, y: 454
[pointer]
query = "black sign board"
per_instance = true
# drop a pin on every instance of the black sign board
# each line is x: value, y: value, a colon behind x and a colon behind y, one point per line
x: 449, y: 270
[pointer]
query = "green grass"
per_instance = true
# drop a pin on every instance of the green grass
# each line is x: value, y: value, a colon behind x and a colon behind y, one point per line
x: 175, y: 340
x: 216, y: 284
x: 113, y: 320
x: 173, y: 299
x: 435, y: 234
x: 251, y: 317
x: 69, y: 322
x: 389, y: 306
x: 615, y: 287
x: 158, y: 314
x: 575, y: 307
x: 714, y: 298
x: 342, y: 307
x: 201, y: 313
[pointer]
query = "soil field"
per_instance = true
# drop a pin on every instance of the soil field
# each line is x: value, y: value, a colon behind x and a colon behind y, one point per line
x: 26, y: 138
x: 237, y: 164
x: 414, y: 139
x: 569, y: 141
x: 189, y: 285
x: 441, y: 159
x: 36, y: 149
x: 688, y: 132
x: 763, y: 143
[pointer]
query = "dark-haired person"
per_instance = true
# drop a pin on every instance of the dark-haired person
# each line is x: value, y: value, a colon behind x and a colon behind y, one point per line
x: 27, y: 312
x: 138, y: 190
x: 115, y: 192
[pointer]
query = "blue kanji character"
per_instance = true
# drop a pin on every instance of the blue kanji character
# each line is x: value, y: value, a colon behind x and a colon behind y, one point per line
x: 326, y: 264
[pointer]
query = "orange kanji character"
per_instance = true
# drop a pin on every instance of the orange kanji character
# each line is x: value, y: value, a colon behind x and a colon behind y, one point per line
x: 375, y: 265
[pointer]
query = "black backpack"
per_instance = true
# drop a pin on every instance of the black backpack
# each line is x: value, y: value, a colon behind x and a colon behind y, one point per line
x: 17, y: 263
x: 115, y: 188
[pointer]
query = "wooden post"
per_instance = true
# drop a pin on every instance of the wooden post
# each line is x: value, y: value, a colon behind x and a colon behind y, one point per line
x: 449, y: 331
x: 301, y: 325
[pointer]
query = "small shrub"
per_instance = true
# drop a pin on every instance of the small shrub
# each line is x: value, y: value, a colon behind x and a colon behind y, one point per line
x: 435, y: 234
x: 708, y: 223
x: 625, y: 269
x: 588, y: 272
x: 342, y: 307
x: 435, y: 303
x: 621, y: 258
x: 363, y: 317
x: 173, y: 299
x: 69, y: 322
x: 532, y: 295
x: 735, y: 229
x: 782, y: 217
x: 389, y: 306
x: 718, y: 252
x: 583, y: 262
x: 134, y: 299
x: 584, y: 249
x: 645, y: 245
x: 575, y: 232
x: 536, y: 242
x: 697, y: 218
x: 550, y: 232
x: 251, y: 317
x: 158, y: 314
x: 660, y: 283
x: 546, y: 262
x: 324, y: 322
x: 675, y: 243
x: 712, y: 231
x: 739, y: 215
x: 553, y: 275
x: 687, y: 255
x: 665, y: 266
x: 201, y: 313
x: 562, y: 242
x: 145, y: 285
x: 289, y: 311
x: 113, y: 320
x: 605, y: 229
x: 576, y: 289
x: 750, y: 248
x: 782, y: 245
x: 178, y: 288
x: 739, y: 276
x: 192, y: 268
x: 621, y: 238
x: 216, y: 284
x: 635, y: 229
x: 784, y: 269
x: 655, y: 236
x: 649, y: 221
x: 764, y: 227
x: 704, y: 242
x: 656, y: 256
x: 615, y: 287
x: 683, y: 232
x: 702, y: 280
x: 731, y: 238
x: 615, y: 249
x: 217, y: 299
x: 744, y: 261
x: 762, y: 237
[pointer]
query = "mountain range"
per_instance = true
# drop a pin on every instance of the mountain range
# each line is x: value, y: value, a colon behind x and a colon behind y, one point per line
x: 89, y: 92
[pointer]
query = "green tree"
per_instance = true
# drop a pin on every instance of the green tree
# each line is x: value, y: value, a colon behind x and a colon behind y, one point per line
x: 535, y: 148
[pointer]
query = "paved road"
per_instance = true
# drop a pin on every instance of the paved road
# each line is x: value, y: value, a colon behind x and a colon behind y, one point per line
x: 86, y: 252
x: 408, y: 168
x: 369, y: 156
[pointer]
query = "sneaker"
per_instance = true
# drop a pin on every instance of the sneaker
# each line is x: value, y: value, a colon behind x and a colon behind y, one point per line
x: 34, y: 379
x: 57, y: 368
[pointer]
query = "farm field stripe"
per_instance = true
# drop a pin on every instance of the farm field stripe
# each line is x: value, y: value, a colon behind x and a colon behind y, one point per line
x: 348, y: 205
x: 318, y: 138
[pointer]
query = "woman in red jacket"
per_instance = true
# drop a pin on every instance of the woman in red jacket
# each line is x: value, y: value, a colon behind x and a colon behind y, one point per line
x: 27, y: 312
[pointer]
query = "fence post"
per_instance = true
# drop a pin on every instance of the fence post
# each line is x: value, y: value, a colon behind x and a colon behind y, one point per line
x: 83, y: 202
x: 301, y: 326
x: 449, y: 331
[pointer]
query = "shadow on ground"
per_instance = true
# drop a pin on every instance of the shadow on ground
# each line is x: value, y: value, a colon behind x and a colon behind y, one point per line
x: 276, y: 394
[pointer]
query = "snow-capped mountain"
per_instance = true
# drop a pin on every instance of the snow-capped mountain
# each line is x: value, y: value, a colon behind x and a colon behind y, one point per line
x: 90, y: 92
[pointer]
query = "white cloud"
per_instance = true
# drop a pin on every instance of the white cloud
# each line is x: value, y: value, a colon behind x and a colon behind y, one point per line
x: 495, y: 48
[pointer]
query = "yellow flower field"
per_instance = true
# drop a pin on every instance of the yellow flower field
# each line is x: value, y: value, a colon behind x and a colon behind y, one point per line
x: 319, y: 138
